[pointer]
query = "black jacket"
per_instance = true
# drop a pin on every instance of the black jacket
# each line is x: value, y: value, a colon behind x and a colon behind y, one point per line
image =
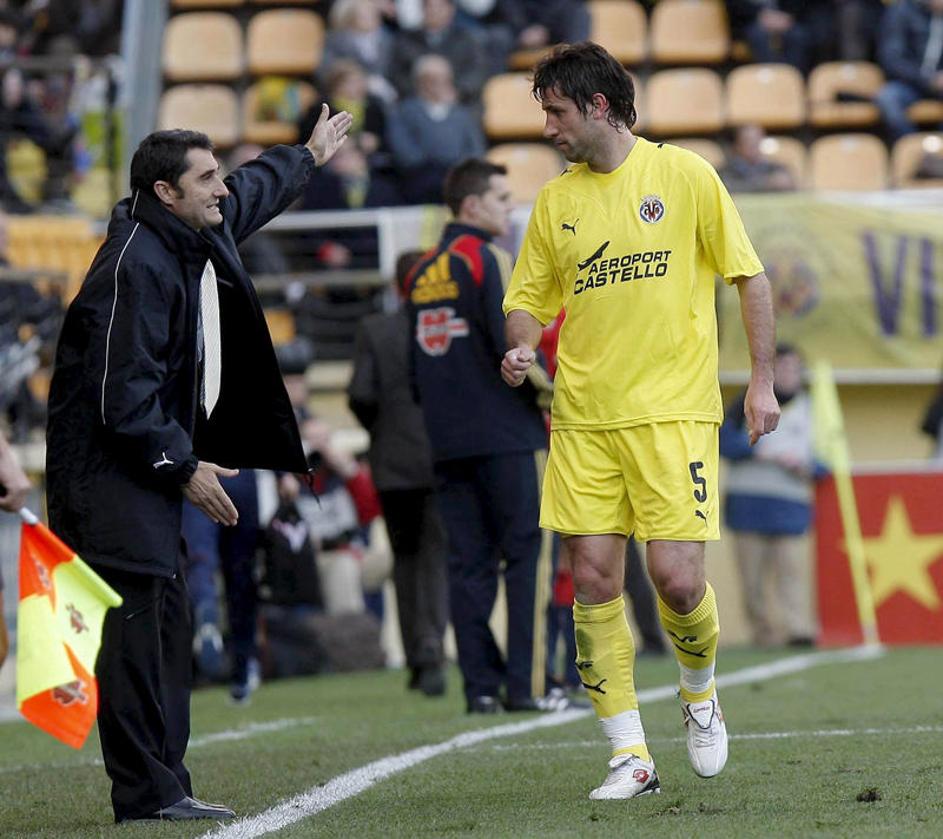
x: 124, y: 428
x: 381, y: 396
x: 902, y: 44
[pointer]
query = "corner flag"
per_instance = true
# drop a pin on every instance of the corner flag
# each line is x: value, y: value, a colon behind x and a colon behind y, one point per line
x: 59, y: 624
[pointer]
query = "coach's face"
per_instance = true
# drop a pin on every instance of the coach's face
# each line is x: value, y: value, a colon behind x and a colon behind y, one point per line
x: 198, y: 193
x: 566, y: 127
x: 491, y: 210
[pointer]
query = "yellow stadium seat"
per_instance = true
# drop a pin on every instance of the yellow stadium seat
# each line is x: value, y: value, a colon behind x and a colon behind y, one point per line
x: 210, y: 108
x: 285, y: 41
x: 202, y: 46
x: 685, y: 101
x: 621, y: 27
x: 908, y: 154
x: 710, y: 150
x: 788, y: 152
x: 529, y: 165
x: 848, y: 162
x: 771, y: 95
x: 510, y: 111
x: 267, y: 125
x: 281, y: 325
x: 829, y: 80
x: 63, y: 244
x: 690, y: 32
x: 926, y: 111
x: 526, y: 59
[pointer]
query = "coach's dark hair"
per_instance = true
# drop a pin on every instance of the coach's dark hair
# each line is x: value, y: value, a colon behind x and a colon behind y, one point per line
x: 162, y: 156
x: 577, y: 71
x: 470, y: 177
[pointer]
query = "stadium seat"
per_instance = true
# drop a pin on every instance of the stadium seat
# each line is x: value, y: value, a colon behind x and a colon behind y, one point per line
x: 271, y: 109
x: 710, y: 150
x: 907, y: 156
x: 689, y: 32
x: 848, y: 162
x: 526, y: 59
x: 621, y: 27
x: 281, y: 325
x: 827, y: 84
x: 926, y: 111
x: 202, y: 46
x: 788, y: 152
x: 285, y: 41
x: 686, y: 101
x: 529, y: 165
x: 65, y: 244
x: 210, y: 108
x: 771, y: 95
x: 510, y: 111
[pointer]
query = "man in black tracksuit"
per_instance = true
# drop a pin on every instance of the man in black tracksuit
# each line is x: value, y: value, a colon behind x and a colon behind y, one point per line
x: 156, y: 392
x: 488, y: 444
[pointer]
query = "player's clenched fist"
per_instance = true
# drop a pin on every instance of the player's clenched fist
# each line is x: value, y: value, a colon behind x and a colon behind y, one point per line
x: 516, y: 363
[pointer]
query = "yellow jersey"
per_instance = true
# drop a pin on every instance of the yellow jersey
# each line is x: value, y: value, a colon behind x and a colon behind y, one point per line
x: 632, y: 256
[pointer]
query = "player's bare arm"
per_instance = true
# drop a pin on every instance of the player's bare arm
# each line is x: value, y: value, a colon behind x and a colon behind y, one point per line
x: 756, y: 310
x: 523, y: 332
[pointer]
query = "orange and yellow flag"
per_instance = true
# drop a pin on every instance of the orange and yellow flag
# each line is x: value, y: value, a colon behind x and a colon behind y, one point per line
x: 59, y: 624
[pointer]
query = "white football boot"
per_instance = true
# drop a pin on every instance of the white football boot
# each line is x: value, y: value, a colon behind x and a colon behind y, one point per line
x: 707, y: 735
x: 629, y: 777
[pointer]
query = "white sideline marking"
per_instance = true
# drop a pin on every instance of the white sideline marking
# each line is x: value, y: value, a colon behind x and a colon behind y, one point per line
x: 756, y: 735
x: 243, y: 733
x: 356, y: 781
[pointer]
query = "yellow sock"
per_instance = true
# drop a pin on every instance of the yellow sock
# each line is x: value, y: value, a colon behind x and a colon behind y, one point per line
x: 605, y: 658
x: 694, y: 637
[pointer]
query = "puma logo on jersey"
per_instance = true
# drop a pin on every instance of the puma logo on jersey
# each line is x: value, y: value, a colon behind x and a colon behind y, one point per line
x: 570, y: 227
x: 164, y: 461
x: 699, y: 514
x: 599, y: 252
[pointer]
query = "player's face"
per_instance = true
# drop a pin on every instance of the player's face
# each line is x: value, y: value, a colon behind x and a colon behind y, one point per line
x: 200, y: 189
x: 568, y: 129
x: 494, y: 211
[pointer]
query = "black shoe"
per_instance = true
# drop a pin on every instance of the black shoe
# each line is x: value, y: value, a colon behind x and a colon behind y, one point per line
x: 800, y: 641
x: 432, y: 680
x: 186, y: 809
x: 554, y: 701
x: 414, y: 674
x: 484, y: 705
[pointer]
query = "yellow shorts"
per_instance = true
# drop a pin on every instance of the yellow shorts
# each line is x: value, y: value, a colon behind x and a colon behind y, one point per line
x: 658, y: 481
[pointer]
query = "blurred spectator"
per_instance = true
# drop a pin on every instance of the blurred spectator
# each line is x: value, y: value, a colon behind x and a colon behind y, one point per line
x: 260, y: 253
x: 356, y: 32
x: 791, y: 31
x: 540, y: 23
x: 768, y: 507
x: 21, y: 117
x: 347, y: 183
x: 346, y: 89
x: 856, y: 28
x: 9, y: 36
x: 213, y: 549
x: 748, y: 170
x: 14, y: 487
x: 430, y: 132
x: 932, y: 424
x: 67, y: 27
x: 381, y: 397
x: 440, y: 35
x: 910, y: 51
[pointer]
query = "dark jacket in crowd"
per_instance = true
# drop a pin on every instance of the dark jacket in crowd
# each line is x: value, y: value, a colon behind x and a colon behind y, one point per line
x: 125, y: 432
x: 902, y: 45
x: 455, y: 296
x: 460, y: 47
x: 381, y: 397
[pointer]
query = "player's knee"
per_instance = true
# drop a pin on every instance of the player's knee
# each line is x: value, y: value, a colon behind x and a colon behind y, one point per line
x: 681, y: 592
x: 594, y: 583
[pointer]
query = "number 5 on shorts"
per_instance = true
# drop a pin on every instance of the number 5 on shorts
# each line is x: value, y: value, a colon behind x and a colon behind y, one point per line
x: 700, y: 494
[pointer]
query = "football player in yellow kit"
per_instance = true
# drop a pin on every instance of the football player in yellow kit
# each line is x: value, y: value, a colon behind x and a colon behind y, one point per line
x: 629, y: 240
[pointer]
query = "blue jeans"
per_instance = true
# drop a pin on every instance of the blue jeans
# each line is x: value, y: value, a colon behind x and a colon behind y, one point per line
x: 894, y: 99
x: 212, y: 548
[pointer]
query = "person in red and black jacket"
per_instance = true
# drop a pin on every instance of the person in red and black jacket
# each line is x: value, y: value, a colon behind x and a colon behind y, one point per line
x: 488, y: 444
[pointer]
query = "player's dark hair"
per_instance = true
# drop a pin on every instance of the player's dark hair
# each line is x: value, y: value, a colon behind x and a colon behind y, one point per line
x: 577, y: 71
x: 405, y: 263
x: 470, y: 177
x: 162, y: 156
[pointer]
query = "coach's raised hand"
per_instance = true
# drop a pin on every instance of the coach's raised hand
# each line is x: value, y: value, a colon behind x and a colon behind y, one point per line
x: 329, y: 134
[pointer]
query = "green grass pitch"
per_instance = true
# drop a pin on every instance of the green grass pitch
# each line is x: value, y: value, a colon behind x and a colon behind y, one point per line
x: 804, y: 750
